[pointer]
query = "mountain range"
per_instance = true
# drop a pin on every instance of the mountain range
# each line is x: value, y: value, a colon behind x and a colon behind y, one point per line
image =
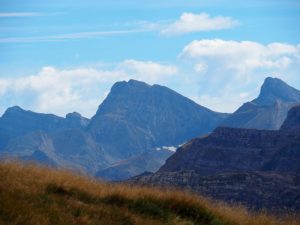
x: 259, y: 168
x: 133, y: 122
x: 135, y: 129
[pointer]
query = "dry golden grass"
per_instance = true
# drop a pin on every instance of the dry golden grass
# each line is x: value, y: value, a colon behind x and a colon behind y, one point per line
x: 37, y: 195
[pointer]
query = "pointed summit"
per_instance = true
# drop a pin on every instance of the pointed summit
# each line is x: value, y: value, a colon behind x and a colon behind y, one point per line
x: 269, y: 109
x: 274, y: 89
x: 145, y: 116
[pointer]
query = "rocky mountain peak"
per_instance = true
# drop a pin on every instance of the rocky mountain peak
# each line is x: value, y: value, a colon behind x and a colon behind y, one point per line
x: 274, y: 89
x: 149, y: 116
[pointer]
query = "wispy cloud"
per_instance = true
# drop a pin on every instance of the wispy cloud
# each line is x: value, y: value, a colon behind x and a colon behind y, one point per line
x: 187, y: 23
x: 20, y: 14
x: 190, y: 23
x: 70, y: 36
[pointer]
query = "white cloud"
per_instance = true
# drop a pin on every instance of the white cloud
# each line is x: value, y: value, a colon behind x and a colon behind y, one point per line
x: 189, y: 23
x: 231, y: 72
x: 245, y: 55
x: 200, y: 68
x: 61, y: 91
x: 147, y: 70
x: 3, y: 86
x: 227, y: 102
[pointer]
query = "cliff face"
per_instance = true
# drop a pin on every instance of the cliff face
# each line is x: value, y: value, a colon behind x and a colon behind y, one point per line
x: 230, y: 149
x: 257, y: 167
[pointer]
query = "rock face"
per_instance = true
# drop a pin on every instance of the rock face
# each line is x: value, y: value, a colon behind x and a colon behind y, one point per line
x: 259, y: 168
x: 119, y: 141
x: 269, y: 110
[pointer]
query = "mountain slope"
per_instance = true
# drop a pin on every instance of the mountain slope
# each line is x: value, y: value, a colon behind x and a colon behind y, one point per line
x: 257, y: 167
x: 42, y: 196
x: 268, y: 110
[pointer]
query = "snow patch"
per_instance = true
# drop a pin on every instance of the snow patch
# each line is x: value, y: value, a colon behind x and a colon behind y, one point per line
x: 170, y: 148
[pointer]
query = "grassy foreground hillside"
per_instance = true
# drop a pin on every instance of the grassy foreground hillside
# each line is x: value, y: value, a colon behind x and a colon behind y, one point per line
x: 37, y: 195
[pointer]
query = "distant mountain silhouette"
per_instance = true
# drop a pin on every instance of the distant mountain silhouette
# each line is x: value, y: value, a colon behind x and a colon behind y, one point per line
x: 257, y: 167
x: 135, y: 119
x: 132, y: 122
x: 269, y: 110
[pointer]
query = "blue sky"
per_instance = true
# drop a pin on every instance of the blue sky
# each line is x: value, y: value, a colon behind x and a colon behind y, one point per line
x: 63, y: 56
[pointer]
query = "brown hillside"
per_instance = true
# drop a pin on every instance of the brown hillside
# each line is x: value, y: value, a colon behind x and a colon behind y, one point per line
x: 37, y: 195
